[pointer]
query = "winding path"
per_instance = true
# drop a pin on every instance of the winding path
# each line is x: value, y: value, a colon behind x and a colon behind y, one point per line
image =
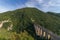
x: 2, y: 22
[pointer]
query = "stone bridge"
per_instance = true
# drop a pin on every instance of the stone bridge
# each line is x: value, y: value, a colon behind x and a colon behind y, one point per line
x: 43, y: 32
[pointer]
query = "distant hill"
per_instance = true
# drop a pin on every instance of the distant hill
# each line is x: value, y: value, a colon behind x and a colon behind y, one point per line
x: 56, y: 14
x: 21, y: 19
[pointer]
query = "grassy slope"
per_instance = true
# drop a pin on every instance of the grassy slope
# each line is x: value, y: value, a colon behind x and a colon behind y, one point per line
x: 6, y: 35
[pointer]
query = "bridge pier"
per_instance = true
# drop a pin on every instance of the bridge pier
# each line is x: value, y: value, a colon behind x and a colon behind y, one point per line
x: 44, y: 34
x: 49, y: 37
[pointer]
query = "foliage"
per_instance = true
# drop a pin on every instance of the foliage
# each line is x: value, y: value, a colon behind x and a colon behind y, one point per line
x: 21, y: 20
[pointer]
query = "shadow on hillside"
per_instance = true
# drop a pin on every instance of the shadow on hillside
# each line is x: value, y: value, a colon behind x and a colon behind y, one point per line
x: 31, y: 31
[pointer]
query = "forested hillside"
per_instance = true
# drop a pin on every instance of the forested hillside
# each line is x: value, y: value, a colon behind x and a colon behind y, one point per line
x: 21, y: 19
x: 55, y: 14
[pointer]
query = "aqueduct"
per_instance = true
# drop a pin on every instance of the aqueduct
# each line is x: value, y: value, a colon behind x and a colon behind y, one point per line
x: 42, y: 32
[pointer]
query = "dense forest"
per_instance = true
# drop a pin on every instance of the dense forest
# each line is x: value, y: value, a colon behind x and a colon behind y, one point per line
x: 22, y: 23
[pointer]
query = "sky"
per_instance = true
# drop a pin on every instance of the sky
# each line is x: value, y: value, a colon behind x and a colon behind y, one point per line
x: 44, y: 5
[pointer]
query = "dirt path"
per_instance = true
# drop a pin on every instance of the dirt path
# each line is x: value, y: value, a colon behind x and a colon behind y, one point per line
x: 1, y: 24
